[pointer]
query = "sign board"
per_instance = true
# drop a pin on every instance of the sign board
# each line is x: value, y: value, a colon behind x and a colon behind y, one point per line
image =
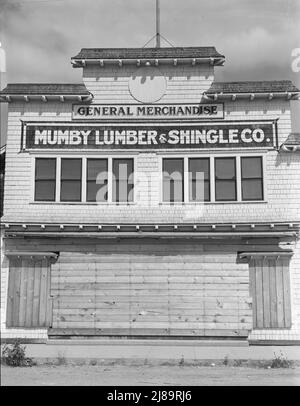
x: 157, y: 136
x: 148, y: 111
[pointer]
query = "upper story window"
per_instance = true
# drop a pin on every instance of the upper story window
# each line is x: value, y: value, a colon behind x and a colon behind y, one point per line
x: 71, y: 175
x: 225, y: 179
x: 184, y: 179
x: 122, y: 180
x: 199, y: 180
x: 84, y: 180
x: 97, y: 179
x: 173, y: 173
x: 212, y: 179
x: 45, y: 179
x: 252, y: 178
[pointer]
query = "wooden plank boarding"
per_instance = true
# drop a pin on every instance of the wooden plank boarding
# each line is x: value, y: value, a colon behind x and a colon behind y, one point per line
x: 145, y: 291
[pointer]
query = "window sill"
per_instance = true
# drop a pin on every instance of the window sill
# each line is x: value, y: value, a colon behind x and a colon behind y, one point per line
x: 84, y: 203
x: 211, y: 203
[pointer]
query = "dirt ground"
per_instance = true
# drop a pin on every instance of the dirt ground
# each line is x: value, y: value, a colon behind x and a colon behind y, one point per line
x: 117, y: 375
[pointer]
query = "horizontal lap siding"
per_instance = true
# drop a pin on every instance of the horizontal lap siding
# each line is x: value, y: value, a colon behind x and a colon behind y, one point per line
x: 158, y: 293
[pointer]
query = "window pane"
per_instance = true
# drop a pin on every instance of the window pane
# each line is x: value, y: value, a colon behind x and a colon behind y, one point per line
x: 199, y: 165
x: 123, y: 180
x: 70, y: 180
x: 70, y: 169
x: 97, y: 180
x: 199, y: 185
x: 45, y: 168
x: 97, y: 192
x: 45, y: 179
x: 225, y: 168
x: 45, y: 190
x: 251, y: 167
x: 225, y: 179
x: 96, y: 167
x: 70, y: 191
x: 252, y: 189
x: 173, y: 180
x: 225, y: 190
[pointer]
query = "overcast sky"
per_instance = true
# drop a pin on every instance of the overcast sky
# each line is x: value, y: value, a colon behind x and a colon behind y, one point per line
x: 257, y: 37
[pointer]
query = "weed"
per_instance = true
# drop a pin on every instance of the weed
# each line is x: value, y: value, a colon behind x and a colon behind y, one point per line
x: 15, y: 355
x: 226, y: 361
x: 61, y: 360
x: 181, y: 362
x: 238, y: 363
x: 280, y: 361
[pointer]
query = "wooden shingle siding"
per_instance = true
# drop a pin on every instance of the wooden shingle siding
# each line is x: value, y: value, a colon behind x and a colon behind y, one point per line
x: 270, y: 288
x: 29, y: 303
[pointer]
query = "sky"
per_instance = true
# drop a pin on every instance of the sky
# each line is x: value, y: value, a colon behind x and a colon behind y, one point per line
x: 257, y: 37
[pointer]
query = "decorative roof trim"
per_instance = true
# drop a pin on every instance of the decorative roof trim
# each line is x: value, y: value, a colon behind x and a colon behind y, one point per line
x: 234, y: 96
x: 81, y: 63
x: 47, y: 97
x: 160, y: 230
x: 31, y: 254
x: 258, y: 254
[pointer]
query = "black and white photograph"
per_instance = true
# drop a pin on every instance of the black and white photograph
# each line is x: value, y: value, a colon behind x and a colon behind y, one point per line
x: 150, y: 196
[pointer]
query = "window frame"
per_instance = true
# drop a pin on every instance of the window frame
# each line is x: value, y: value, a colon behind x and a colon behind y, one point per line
x: 183, y: 180
x: 84, y: 177
x: 233, y: 181
x: 87, y: 180
x: 261, y: 179
x: 211, y: 156
x: 71, y: 180
x: 35, y: 180
x: 112, y: 181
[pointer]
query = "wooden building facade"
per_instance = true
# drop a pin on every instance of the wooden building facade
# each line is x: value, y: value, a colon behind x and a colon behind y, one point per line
x: 151, y: 201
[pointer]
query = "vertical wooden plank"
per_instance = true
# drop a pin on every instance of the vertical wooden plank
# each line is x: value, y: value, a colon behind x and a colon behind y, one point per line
x: 259, y: 292
x: 43, y: 294
x: 279, y: 293
x: 286, y: 293
x: 36, y: 293
x: 23, y: 292
x: 29, y: 293
x: 49, y: 309
x: 273, y: 295
x: 252, y: 287
x: 17, y: 294
x: 11, y: 291
x: 266, y: 292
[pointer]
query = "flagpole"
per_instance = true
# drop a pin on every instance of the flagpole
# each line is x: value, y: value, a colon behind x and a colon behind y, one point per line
x: 157, y: 24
